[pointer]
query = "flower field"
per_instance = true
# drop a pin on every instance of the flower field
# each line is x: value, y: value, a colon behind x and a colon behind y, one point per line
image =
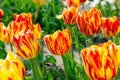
x: 82, y: 36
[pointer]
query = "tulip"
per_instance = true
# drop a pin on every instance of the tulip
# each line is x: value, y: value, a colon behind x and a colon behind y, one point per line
x: 58, y: 43
x: 70, y: 15
x: 100, y: 61
x: 110, y: 26
x: 3, y: 33
x: 1, y: 14
x: 89, y: 23
x: 82, y: 1
x: 22, y: 22
x: 26, y: 44
x: 73, y: 3
x: 12, y: 68
x: 24, y: 17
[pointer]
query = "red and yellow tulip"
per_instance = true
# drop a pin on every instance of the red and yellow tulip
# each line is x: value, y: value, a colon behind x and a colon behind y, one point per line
x: 1, y: 14
x: 26, y: 44
x: 110, y: 26
x: 82, y: 1
x: 22, y: 22
x: 59, y: 43
x: 100, y: 61
x: 70, y: 15
x: 73, y: 3
x: 12, y: 68
x: 89, y: 23
x: 25, y: 18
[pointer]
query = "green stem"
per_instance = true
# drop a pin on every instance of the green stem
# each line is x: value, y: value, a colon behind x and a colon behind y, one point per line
x: 65, y: 68
x: 86, y: 44
x: 71, y: 31
x: 36, y: 71
x: 11, y: 47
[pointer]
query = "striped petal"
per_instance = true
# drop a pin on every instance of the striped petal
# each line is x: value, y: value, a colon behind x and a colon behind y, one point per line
x: 37, y: 31
x: 3, y: 33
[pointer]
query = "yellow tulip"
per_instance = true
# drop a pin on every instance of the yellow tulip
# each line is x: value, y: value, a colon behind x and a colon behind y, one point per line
x: 12, y: 68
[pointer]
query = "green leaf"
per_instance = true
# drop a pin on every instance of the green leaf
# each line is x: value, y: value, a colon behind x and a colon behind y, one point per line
x: 50, y: 59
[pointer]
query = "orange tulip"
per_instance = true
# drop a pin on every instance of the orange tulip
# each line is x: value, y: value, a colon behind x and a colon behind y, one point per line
x: 89, y: 23
x: 110, y: 26
x: 100, y: 61
x: 1, y: 14
x: 73, y: 3
x: 58, y: 43
x: 26, y: 44
x: 12, y: 68
x: 70, y: 15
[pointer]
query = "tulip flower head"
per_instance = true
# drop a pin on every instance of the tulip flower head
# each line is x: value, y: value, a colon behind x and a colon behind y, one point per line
x: 22, y: 22
x: 110, y: 26
x: 12, y: 68
x: 100, y: 61
x: 73, y: 3
x: 89, y: 23
x: 26, y: 44
x: 24, y: 17
x: 58, y: 43
x: 1, y: 14
x: 82, y: 1
x: 70, y: 15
